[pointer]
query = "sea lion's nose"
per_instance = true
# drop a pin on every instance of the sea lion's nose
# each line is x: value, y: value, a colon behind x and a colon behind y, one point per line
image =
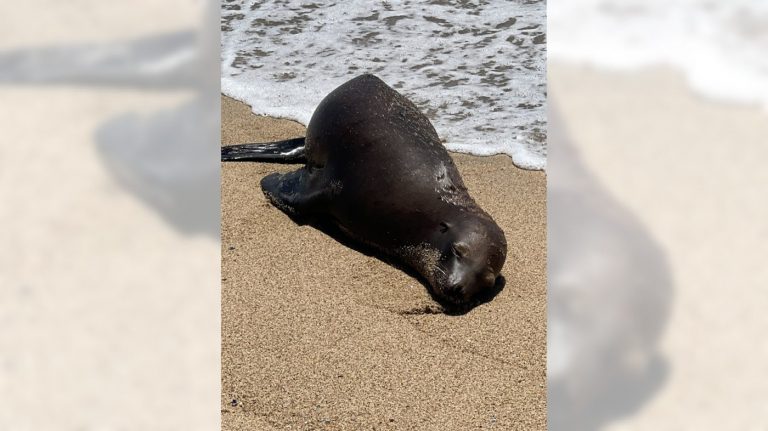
x: 455, y: 291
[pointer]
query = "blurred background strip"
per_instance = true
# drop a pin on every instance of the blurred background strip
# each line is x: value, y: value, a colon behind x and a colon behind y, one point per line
x: 658, y: 115
x: 109, y: 215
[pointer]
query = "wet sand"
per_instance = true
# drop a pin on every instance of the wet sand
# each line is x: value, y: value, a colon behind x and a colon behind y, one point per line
x: 316, y: 335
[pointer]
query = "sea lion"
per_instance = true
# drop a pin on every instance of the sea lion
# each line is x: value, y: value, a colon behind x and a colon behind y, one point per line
x: 375, y: 167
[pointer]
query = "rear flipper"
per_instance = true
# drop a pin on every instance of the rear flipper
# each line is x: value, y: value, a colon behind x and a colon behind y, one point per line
x: 289, y: 151
x: 294, y: 193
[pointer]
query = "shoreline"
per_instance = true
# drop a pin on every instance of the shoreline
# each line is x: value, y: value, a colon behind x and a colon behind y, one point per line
x: 526, y: 159
x: 315, y: 334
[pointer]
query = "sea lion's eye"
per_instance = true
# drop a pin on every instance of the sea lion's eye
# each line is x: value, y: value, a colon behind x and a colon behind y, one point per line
x: 443, y: 227
x: 460, y: 249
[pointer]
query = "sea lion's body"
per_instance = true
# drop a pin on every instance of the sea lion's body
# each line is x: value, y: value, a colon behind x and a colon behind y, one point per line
x: 376, y: 168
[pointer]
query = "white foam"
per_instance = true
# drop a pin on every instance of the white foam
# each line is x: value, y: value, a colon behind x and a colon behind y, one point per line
x: 478, y: 76
x: 525, y: 153
x: 720, y: 46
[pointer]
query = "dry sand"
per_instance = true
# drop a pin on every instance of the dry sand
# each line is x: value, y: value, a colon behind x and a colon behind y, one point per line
x: 316, y: 335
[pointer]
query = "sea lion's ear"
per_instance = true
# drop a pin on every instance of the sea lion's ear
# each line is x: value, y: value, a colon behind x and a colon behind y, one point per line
x: 444, y: 227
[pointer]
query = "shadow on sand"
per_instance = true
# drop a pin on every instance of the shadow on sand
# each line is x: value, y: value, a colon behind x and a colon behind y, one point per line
x: 329, y: 228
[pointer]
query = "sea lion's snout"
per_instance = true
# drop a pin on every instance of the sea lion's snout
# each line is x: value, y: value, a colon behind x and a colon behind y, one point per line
x: 455, y: 293
x: 484, y: 281
x: 464, y: 285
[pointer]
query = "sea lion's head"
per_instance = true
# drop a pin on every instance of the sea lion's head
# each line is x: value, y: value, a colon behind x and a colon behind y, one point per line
x: 473, y: 250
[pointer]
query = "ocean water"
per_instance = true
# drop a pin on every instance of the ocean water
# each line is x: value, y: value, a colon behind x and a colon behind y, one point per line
x: 475, y: 68
x: 721, y: 46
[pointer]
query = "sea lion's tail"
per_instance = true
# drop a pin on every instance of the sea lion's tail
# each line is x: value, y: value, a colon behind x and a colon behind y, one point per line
x: 289, y: 151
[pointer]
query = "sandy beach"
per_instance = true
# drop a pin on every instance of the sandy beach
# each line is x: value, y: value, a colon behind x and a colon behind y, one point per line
x: 316, y: 335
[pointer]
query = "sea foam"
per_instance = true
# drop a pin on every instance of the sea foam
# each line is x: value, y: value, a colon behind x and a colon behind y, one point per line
x: 475, y: 68
x: 720, y: 46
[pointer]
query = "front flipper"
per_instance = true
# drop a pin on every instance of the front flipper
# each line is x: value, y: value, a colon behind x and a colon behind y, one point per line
x: 295, y: 192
